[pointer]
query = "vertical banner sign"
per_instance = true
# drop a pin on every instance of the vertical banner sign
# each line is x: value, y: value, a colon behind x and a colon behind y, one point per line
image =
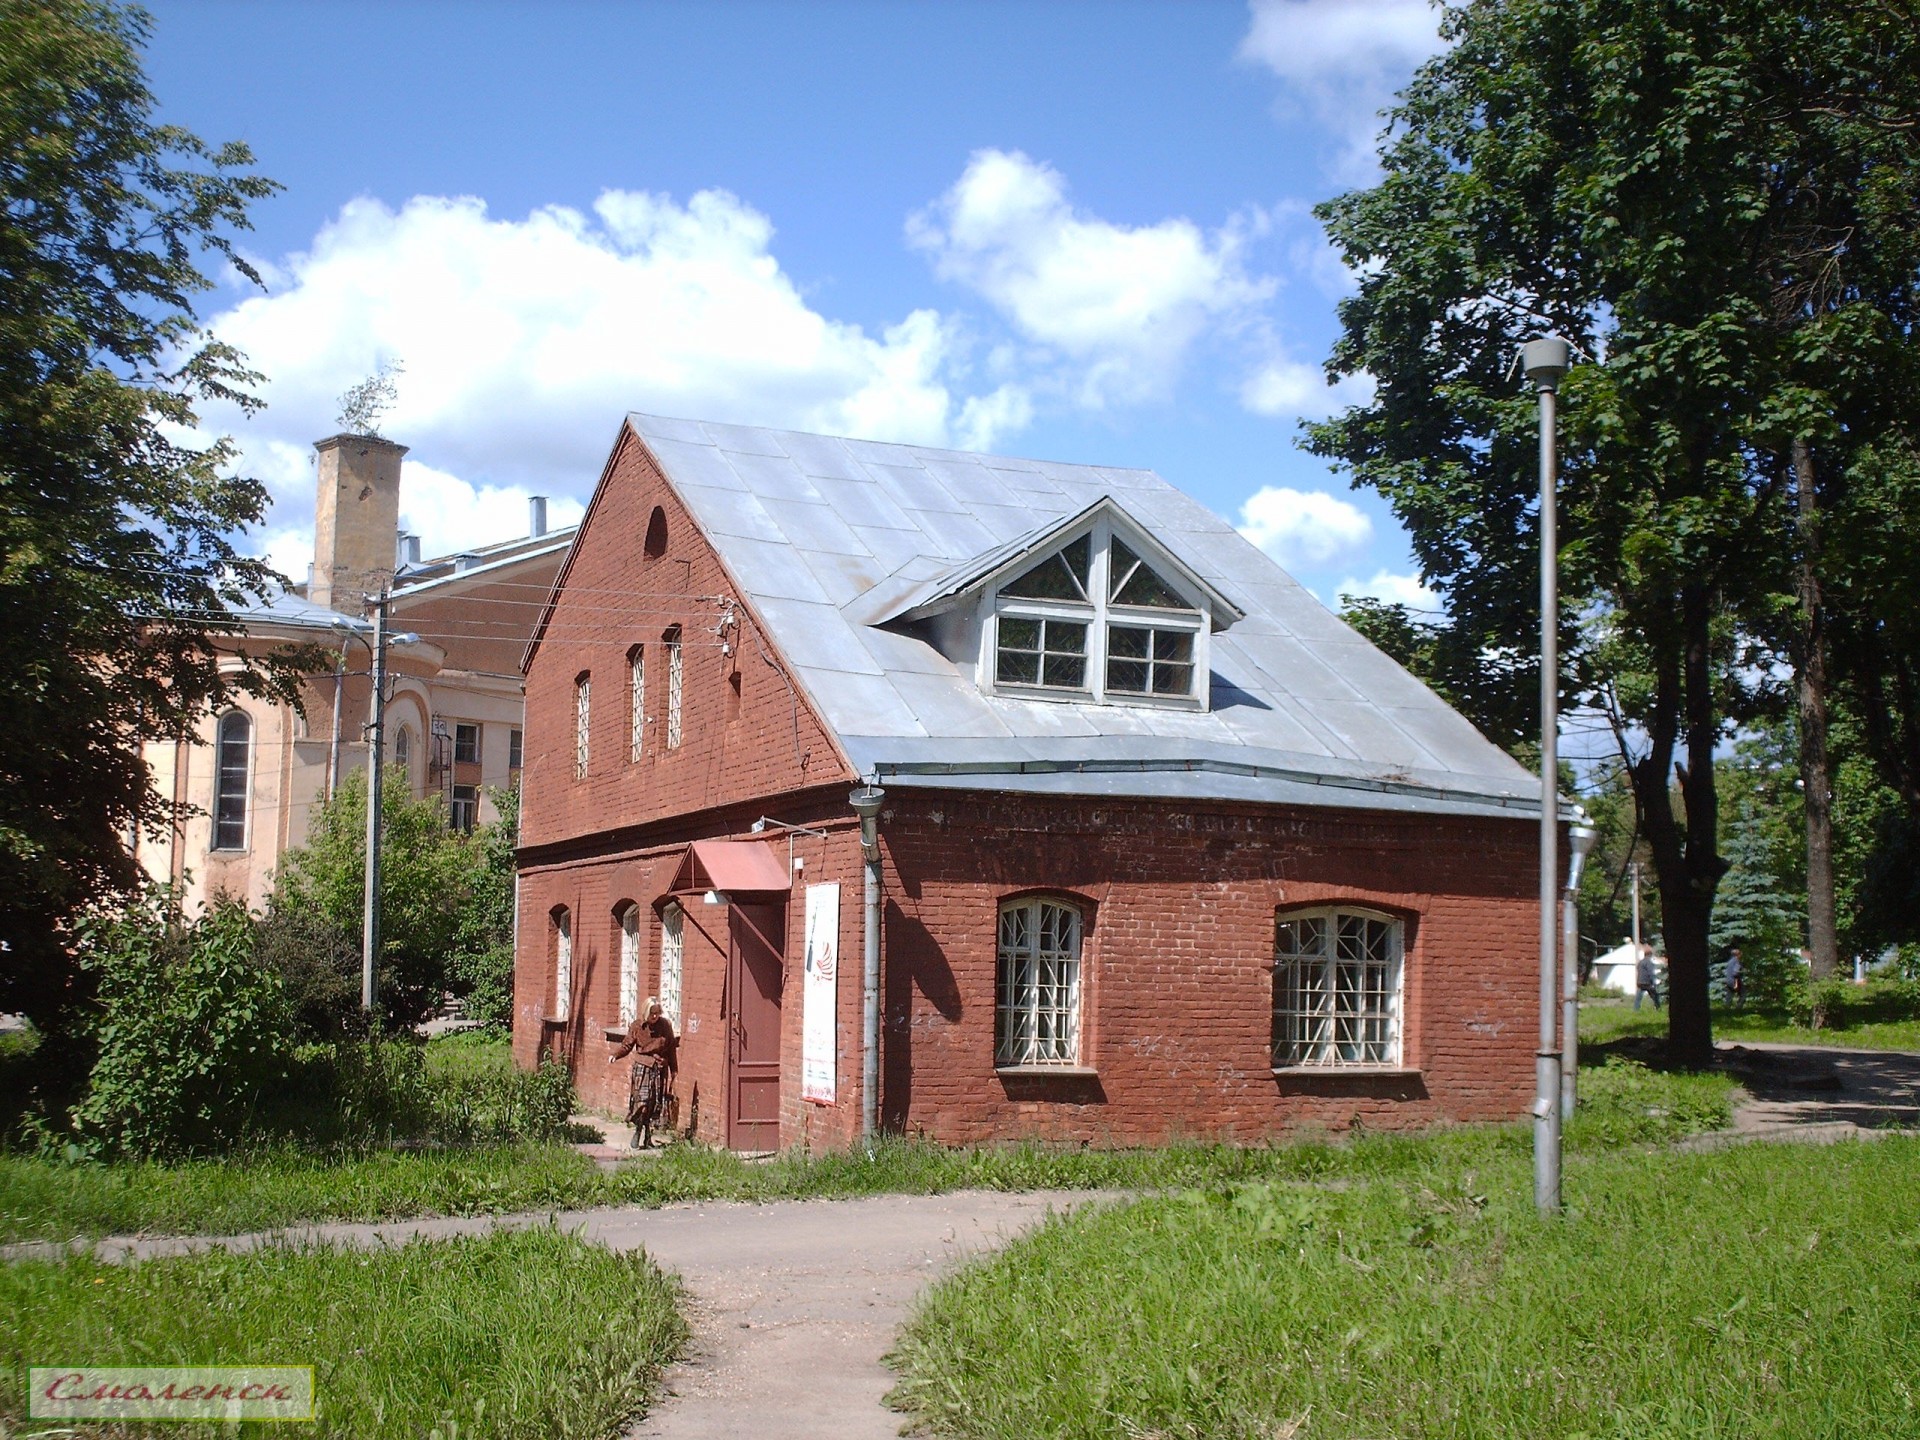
x: 820, y: 995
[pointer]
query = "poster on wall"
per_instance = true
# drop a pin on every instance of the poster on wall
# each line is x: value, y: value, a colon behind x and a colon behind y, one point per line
x: 820, y: 995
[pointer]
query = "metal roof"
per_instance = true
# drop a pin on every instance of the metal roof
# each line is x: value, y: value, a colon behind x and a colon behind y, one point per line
x: 828, y: 537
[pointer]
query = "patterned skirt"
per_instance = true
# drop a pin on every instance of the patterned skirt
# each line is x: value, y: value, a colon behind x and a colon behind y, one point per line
x: 646, y: 1094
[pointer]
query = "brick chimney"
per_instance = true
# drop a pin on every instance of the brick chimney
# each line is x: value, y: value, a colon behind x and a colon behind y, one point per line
x: 356, y: 523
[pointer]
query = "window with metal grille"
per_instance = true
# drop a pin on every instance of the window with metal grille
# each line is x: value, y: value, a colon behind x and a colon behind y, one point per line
x: 672, y: 922
x: 675, y: 683
x: 466, y: 744
x: 562, y: 963
x: 629, y: 962
x: 1336, y: 989
x: 463, y: 812
x: 636, y: 702
x: 1093, y: 618
x: 232, y: 754
x: 1037, y: 1018
x: 582, y: 715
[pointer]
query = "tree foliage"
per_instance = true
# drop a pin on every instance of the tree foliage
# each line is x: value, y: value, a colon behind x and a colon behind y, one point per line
x: 117, y: 561
x: 1715, y: 198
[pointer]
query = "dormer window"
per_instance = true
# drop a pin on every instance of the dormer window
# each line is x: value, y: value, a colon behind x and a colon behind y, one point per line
x: 1097, y: 620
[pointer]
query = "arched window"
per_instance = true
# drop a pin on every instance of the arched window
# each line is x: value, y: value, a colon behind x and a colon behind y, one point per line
x: 1037, y: 1017
x: 1336, y: 989
x: 232, y: 765
x: 675, y: 685
x: 629, y: 962
x: 672, y: 933
x: 636, y: 702
x: 582, y: 719
x: 403, y: 756
x: 562, y: 963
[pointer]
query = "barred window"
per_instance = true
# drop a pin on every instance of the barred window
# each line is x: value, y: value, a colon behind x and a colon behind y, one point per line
x: 629, y: 962
x: 232, y: 754
x: 562, y: 963
x: 1037, y: 1018
x: 1336, y: 989
x: 671, y: 923
x: 582, y: 715
x: 675, y: 682
x: 636, y: 702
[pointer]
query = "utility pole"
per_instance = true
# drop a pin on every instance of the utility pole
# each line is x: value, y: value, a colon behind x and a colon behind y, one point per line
x: 1546, y: 362
x: 376, y: 751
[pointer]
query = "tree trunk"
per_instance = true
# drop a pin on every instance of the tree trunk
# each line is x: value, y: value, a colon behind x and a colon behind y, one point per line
x: 1816, y: 772
x: 1686, y: 857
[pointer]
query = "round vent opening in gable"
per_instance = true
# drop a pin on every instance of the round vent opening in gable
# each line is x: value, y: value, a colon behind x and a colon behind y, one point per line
x: 656, y: 545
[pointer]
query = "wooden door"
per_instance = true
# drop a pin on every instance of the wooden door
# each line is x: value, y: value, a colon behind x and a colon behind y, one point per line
x: 758, y: 944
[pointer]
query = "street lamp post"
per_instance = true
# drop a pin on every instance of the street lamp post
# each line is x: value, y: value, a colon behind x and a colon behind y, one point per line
x: 376, y: 756
x: 1546, y: 362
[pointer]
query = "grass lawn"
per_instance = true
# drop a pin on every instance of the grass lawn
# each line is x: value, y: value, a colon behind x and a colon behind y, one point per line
x: 1622, y: 1104
x: 526, y: 1334
x: 1760, y: 1291
x: 1604, y: 1020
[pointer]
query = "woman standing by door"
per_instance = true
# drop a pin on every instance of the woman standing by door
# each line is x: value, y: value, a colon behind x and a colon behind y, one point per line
x: 656, y: 1051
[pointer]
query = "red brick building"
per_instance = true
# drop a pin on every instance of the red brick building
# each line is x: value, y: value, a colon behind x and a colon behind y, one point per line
x: 1159, y: 847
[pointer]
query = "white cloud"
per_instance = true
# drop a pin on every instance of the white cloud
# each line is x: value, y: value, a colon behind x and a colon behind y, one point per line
x: 1124, y: 304
x: 1341, y: 61
x: 1285, y: 387
x: 525, y: 341
x: 1395, y: 590
x: 1303, y: 527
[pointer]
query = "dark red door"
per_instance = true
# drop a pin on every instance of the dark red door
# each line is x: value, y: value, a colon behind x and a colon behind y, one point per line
x: 758, y: 934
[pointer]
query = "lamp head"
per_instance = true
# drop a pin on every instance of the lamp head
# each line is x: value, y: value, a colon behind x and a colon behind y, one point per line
x: 1546, y: 361
x: 759, y: 826
x: 714, y: 897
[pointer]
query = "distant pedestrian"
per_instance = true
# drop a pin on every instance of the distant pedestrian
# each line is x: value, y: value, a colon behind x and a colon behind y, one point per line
x: 1646, y: 978
x: 1736, y: 977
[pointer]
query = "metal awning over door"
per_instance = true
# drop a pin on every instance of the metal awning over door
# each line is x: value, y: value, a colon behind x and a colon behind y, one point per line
x: 744, y: 867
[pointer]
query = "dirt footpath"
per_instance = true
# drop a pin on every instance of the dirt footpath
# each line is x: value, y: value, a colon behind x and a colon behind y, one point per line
x: 1804, y: 1092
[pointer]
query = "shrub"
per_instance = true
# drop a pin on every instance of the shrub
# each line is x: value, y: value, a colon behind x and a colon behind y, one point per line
x: 192, y: 1030
x: 319, y: 968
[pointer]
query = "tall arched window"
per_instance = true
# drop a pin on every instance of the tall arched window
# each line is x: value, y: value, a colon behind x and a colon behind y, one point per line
x: 582, y: 721
x: 232, y: 764
x: 629, y: 962
x: 403, y: 756
x: 562, y: 963
x: 672, y: 923
x: 1336, y: 989
x: 1037, y: 1018
x: 636, y: 702
x: 675, y: 686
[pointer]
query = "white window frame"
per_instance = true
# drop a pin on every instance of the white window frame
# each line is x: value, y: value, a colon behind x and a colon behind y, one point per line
x: 629, y: 964
x: 582, y: 723
x: 1329, y: 1011
x: 672, y: 955
x: 1101, y: 615
x: 463, y: 810
x: 245, y: 795
x: 637, y: 703
x: 1037, y: 988
x: 478, y: 740
x: 676, y: 687
x: 562, y: 963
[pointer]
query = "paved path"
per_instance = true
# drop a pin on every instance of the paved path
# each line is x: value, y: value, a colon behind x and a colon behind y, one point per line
x: 1809, y: 1092
x: 792, y: 1302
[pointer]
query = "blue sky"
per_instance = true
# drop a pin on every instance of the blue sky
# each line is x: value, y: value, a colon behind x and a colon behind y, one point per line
x: 1071, y: 230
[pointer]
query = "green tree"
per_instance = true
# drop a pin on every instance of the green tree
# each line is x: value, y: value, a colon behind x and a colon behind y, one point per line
x: 1637, y: 175
x: 482, y: 972
x: 428, y: 871
x: 1756, y: 913
x: 117, y: 561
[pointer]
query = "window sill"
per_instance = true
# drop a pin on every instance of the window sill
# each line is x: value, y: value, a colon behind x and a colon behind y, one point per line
x: 617, y: 1034
x: 556, y: 1022
x: 1338, y: 1071
x: 1062, y: 1072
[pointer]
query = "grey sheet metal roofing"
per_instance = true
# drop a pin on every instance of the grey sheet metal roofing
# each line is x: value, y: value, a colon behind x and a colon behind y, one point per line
x: 828, y: 537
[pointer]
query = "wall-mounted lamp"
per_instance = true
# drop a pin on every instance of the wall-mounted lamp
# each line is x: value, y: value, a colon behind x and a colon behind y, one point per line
x: 715, y: 897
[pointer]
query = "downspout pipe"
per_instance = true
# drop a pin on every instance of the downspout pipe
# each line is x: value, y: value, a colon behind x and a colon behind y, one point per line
x: 866, y: 802
x: 1580, y: 838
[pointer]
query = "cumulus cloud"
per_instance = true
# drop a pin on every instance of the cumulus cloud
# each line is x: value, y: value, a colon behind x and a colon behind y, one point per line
x: 1394, y: 590
x: 1284, y: 387
x: 1123, y: 304
x: 1303, y: 527
x: 525, y: 340
x: 1341, y: 61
